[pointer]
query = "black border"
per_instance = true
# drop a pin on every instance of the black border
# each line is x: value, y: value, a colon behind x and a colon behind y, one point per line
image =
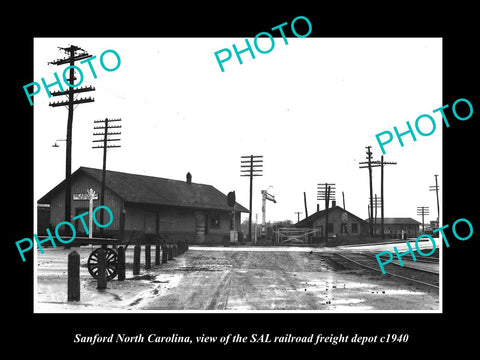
x: 429, y: 333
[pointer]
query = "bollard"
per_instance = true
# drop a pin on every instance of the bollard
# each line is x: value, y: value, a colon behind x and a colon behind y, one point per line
x: 164, y: 254
x: 174, y: 250
x: 102, y: 274
x: 180, y: 248
x: 170, y: 252
x: 121, y: 263
x: 136, y: 259
x: 157, y: 254
x: 148, y: 260
x: 73, y: 292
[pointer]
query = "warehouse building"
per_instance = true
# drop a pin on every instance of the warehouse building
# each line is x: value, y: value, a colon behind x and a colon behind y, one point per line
x: 341, y: 223
x: 397, y: 227
x: 154, y: 208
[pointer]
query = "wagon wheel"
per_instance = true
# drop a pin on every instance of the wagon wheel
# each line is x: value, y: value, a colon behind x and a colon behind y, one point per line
x: 111, y: 263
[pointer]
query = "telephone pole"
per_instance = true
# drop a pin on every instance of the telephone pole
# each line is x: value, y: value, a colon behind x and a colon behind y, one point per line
x: 105, y: 144
x: 298, y: 215
x: 251, y: 165
x: 423, y: 210
x: 436, y: 188
x: 70, y: 92
x: 382, y: 164
x: 369, y: 166
x: 305, y: 203
x: 326, y: 192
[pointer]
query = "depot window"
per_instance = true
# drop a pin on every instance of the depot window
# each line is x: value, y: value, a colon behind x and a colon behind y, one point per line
x: 215, y: 220
x: 354, y: 228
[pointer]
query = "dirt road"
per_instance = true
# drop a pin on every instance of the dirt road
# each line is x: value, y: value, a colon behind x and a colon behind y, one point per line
x: 233, y: 279
x: 229, y: 279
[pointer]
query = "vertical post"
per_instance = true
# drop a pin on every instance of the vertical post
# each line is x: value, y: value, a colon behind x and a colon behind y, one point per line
x: 157, y: 254
x: 148, y: 259
x: 369, y: 154
x: 102, y: 275
x: 68, y: 156
x: 438, y: 203
x: 102, y: 192
x: 343, y: 196
x: 164, y: 254
x: 305, y: 203
x: 327, y: 204
x: 381, y: 197
x: 121, y: 263
x: 91, y: 195
x: 251, y: 189
x: 73, y: 292
x: 136, y: 259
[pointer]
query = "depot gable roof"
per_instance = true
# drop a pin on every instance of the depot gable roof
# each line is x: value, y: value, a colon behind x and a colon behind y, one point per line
x: 154, y: 190
x: 309, y: 220
x: 399, y: 221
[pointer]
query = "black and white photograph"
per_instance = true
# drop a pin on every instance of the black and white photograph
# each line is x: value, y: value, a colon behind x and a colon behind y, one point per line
x: 168, y: 138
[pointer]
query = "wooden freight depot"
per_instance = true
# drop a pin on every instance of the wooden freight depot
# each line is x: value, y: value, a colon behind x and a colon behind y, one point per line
x: 155, y: 208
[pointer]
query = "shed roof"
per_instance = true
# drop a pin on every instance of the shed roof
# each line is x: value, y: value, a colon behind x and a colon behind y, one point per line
x: 398, y: 221
x: 307, y: 221
x: 154, y: 190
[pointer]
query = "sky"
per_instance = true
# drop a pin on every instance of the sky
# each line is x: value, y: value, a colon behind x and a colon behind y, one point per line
x: 309, y: 107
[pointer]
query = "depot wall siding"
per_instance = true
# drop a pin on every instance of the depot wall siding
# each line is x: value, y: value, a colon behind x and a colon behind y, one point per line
x: 178, y: 224
x: 168, y: 223
x: 81, y: 185
x: 335, y: 219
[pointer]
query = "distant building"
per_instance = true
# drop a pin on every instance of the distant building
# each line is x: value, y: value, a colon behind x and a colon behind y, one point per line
x: 156, y: 208
x: 341, y: 223
x: 395, y: 227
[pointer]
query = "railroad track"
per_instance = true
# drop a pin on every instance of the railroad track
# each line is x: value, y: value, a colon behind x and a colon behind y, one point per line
x: 416, y: 275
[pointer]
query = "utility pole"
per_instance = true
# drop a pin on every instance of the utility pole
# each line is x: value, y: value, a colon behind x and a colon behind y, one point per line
x: 369, y: 166
x: 435, y: 188
x: 423, y: 210
x: 382, y: 163
x: 105, y: 144
x: 377, y: 203
x: 298, y: 215
x: 326, y: 192
x: 251, y: 165
x: 70, y: 92
x: 343, y: 196
x: 305, y: 202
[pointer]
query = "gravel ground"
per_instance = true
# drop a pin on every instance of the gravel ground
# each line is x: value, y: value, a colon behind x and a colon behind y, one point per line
x: 232, y: 279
